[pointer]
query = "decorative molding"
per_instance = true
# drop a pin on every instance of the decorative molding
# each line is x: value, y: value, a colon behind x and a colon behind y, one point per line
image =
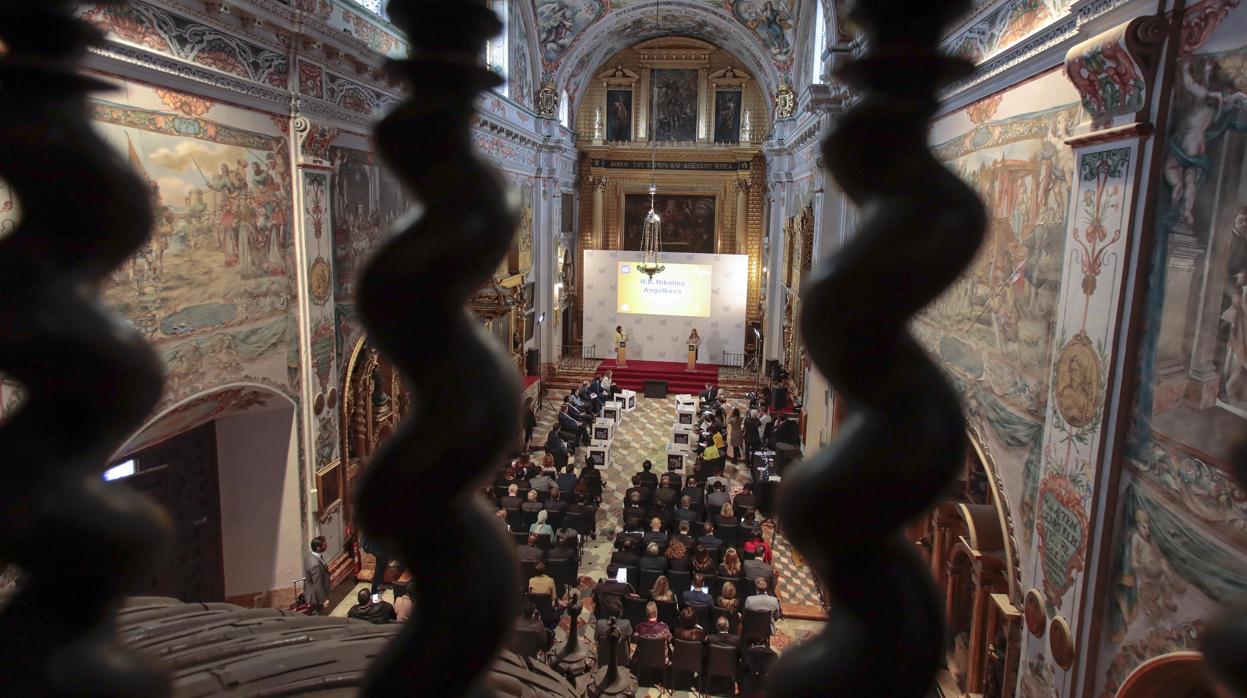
x: 1112, y: 71
x: 124, y: 53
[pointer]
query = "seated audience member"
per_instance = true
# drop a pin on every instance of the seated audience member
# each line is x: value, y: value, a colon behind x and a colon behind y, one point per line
x: 634, y: 513
x: 724, y: 636
x: 567, y: 481
x: 685, y: 512
x: 750, y: 527
x: 757, y: 569
x: 592, y: 477
x: 702, y: 562
x: 542, y: 583
x: 682, y: 535
x: 608, y: 594
x: 375, y: 612
x: 655, y: 533
x: 664, y: 515
x: 626, y: 555
x: 530, y: 622
x: 653, y: 559
x: 565, y: 548
x: 661, y: 590
x: 731, y: 566
x: 512, y: 500
x: 556, y: 448
x: 717, y: 479
x: 405, y: 602
x: 726, y: 515
x: 762, y: 601
x: 695, y: 493
x: 689, y: 629
x: 717, y: 497
x: 602, y: 632
x: 544, y: 480
x: 647, y: 476
x: 642, y: 490
x: 727, y: 598
x: 532, y: 504
x: 709, y: 539
x: 745, y: 499
x: 666, y: 494
x: 506, y: 477
x: 756, y: 546
x: 542, y: 527
x: 555, y: 504
x: 530, y: 552
x: 677, y: 556
x: 709, y: 396
x: 652, y: 627
x: 695, y: 596
x: 532, y: 470
x: 501, y: 517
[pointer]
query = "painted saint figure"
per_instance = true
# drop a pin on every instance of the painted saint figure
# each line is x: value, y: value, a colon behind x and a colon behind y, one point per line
x: 1234, y: 315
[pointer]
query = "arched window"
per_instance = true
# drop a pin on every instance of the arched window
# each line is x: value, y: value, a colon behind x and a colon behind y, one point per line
x: 820, y: 43
x: 565, y: 110
x: 374, y: 6
x: 497, y: 51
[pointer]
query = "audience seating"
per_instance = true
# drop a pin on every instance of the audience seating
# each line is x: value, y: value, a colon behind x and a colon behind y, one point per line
x: 758, y: 660
x: 680, y: 581
x: 563, y: 572
x: 722, y: 661
x: 669, y: 613
x: 688, y: 657
x: 733, y: 619
x: 651, y: 655
x: 604, y: 655
x: 703, y: 616
x: 634, y: 610
x: 756, y: 627
x: 646, y: 581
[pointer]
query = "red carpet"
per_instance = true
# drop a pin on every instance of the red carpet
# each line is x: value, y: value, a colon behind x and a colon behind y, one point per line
x: 679, y: 380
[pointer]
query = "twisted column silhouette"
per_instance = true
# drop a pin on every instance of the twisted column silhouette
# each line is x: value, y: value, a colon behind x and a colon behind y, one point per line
x: 89, y: 381
x: 904, y: 441
x: 417, y: 497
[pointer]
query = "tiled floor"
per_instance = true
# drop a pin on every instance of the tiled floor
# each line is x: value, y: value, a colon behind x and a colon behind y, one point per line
x: 643, y: 434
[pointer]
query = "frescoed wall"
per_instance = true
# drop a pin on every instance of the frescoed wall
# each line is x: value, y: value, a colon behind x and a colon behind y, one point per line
x: 994, y: 331
x: 1181, y: 550
x: 521, y: 71
x: 213, y: 289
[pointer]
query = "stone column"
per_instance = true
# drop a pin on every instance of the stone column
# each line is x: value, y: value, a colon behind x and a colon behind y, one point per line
x: 599, y: 214
x: 742, y: 215
x: 703, y: 108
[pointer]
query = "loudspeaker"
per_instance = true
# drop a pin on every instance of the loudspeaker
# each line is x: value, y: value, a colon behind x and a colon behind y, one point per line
x: 779, y: 398
x: 532, y: 362
x: 772, y: 368
x: 656, y: 389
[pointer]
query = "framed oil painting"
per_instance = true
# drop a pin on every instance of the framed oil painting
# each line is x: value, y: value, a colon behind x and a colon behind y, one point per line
x: 675, y: 104
x: 618, y: 115
x: 688, y: 221
x: 727, y: 104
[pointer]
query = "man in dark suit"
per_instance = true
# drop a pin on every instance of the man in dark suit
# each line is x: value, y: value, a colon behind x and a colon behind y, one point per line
x: 316, y: 584
x: 555, y: 504
x: 717, y: 498
x: 695, y: 596
x: 608, y: 595
x: 647, y: 477
x: 708, y: 539
x: 556, y: 448
x: 684, y: 513
x: 694, y: 493
x: 654, y: 559
x: 724, y: 636
x: 666, y: 494
x: 513, y: 499
x: 683, y: 536
x: 709, y: 397
x: 626, y: 555
x: 745, y: 499
x: 634, y: 513
x: 567, y: 480
x: 655, y: 533
x: 530, y: 552
x: 568, y: 424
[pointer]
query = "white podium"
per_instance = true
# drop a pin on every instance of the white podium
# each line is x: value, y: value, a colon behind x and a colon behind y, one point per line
x: 603, y: 429
x: 613, y: 410
x: 600, y: 454
x: 629, y: 400
x: 676, y: 458
x: 686, y: 402
x: 686, y: 415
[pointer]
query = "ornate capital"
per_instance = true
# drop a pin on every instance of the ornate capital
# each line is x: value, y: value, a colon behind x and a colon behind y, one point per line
x: 1112, y: 71
x: 742, y: 186
x: 314, y: 141
x: 599, y: 182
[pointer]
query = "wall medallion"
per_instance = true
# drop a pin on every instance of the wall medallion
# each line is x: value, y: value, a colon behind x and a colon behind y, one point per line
x: 1076, y: 385
x: 1035, y: 612
x: 1062, y: 530
x: 1061, y: 642
x: 333, y: 398
x: 785, y: 102
x: 318, y: 405
x: 321, y: 281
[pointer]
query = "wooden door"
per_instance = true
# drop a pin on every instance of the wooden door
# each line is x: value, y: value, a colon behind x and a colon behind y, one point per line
x: 181, y: 475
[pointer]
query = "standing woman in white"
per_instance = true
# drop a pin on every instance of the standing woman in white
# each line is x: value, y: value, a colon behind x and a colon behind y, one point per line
x: 694, y: 349
x: 621, y: 346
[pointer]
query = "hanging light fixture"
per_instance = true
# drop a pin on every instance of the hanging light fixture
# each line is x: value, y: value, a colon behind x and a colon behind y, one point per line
x: 651, y: 241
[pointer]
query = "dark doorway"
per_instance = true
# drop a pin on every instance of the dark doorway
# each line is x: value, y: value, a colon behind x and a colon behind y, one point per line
x: 180, y: 474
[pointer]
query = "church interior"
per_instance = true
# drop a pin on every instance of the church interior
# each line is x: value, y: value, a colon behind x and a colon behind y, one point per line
x: 624, y: 347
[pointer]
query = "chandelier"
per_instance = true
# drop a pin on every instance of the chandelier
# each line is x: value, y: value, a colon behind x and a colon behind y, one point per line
x: 651, y: 240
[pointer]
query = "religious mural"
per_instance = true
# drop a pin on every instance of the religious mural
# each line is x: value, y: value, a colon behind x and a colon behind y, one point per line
x: 212, y: 290
x: 688, y: 222
x: 1005, y: 26
x: 774, y: 21
x: 366, y: 201
x: 559, y: 22
x: 675, y: 104
x: 521, y: 71
x: 994, y: 330
x: 727, y: 110
x: 618, y: 115
x: 1182, y: 529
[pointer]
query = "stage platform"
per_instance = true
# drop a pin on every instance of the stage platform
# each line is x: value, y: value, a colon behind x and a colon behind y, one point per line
x: 679, y: 379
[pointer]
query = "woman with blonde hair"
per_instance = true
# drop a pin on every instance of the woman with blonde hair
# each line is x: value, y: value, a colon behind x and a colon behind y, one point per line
x: 731, y: 566
x: 662, y: 590
x: 727, y: 597
x: 726, y: 516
